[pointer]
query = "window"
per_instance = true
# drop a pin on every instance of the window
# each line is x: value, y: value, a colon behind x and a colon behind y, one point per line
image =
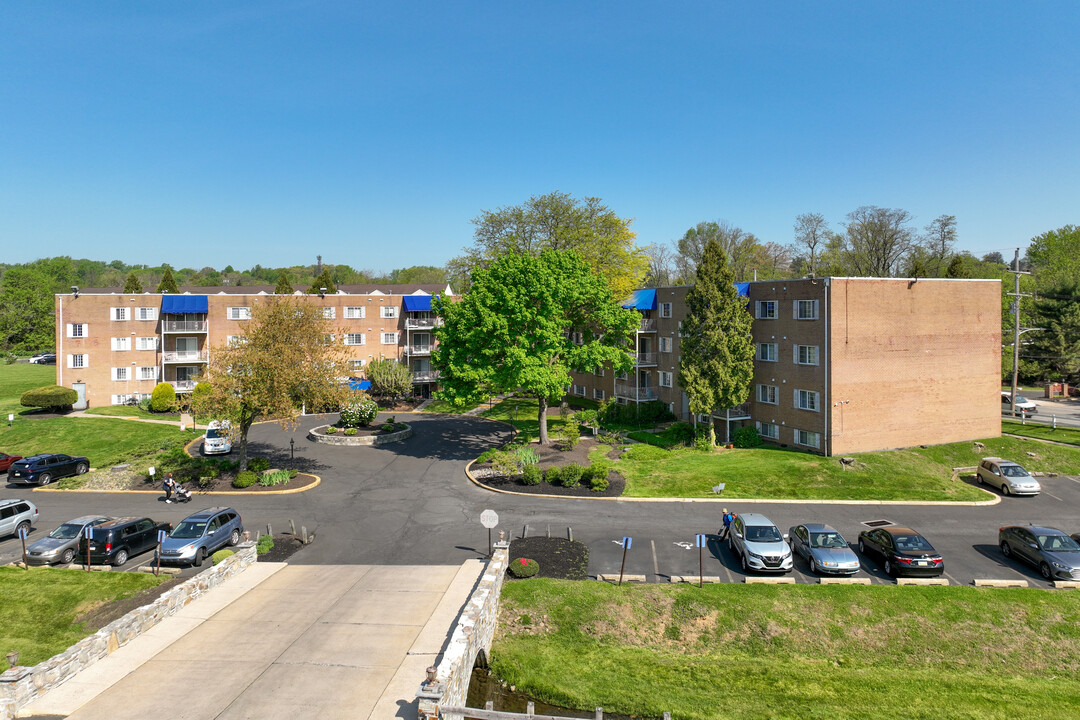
x: 665, y: 310
x: 148, y: 373
x: 766, y: 352
x: 121, y: 343
x: 578, y: 338
x: 665, y: 379
x: 579, y: 390
x: 390, y: 338
x: 665, y: 344
x: 239, y: 313
x: 119, y: 374
x: 768, y: 430
x: 356, y: 364
x: 78, y: 361
x: 329, y: 313
x: 77, y: 330
x: 806, y: 354
x: 354, y: 313
x: 146, y: 343
x: 806, y: 310
x: 597, y: 394
x: 806, y: 400
x: 767, y: 394
x: 146, y: 313
x: 622, y: 377
x: 118, y: 314
x: 388, y: 312
x: 807, y: 438
x: 766, y: 309
x: 357, y: 338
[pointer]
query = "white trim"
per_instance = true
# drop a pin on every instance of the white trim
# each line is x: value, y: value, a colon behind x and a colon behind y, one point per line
x: 238, y: 312
x: 816, y: 436
x: 666, y: 306
x: 146, y: 310
x: 118, y: 314
x: 84, y: 330
x: 121, y: 344
x: 760, y: 354
x: 665, y: 375
x: 809, y: 393
x: 83, y: 362
x: 349, y: 337
x: 775, y: 394
x: 352, y: 314
x: 389, y: 338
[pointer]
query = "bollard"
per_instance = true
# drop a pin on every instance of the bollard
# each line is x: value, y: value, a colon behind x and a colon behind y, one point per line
x: 303, y: 534
x: 549, y: 531
x: 292, y: 528
x: 269, y: 530
x: 570, y: 533
x: 525, y: 532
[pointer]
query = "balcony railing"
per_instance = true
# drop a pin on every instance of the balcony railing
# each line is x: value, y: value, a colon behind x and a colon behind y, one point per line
x: 647, y: 325
x: 183, y: 326
x: 645, y: 358
x: 739, y: 412
x: 425, y: 376
x: 422, y: 323
x: 177, y: 356
x: 635, y: 393
x: 417, y: 349
x: 182, y: 385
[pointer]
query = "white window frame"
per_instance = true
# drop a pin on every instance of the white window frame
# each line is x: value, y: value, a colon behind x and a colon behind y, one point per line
x: 142, y: 374
x: 146, y: 313
x: 665, y: 310
x: 355, y: 313
x: 812, y: 439
x: 389, y: 338
x: 121, y: 344
x: 119, y: 314
x: 330, y: 313
x: 355, y: 339
x: 665, y: 375
x: 239, y: 312
x: 761, y: 354
x: 78, y: 361
x: 78, y: 330
x: 812, y: 306
x: 768, y: 430
x: 766, y: 310
x: 665, y: 344
x: 811, y: 353
x: 598, y: 394
x: 388, y: 312
x: 146, y: 343
x: 357, y: 364
x: 121, y: 374
x: 764, y: 392
x: 807, y: 400
x: 579, y: 390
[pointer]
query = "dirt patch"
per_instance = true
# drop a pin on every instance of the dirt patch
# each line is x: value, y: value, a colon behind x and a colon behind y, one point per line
x: 96, y: 618
x: 558, y: 557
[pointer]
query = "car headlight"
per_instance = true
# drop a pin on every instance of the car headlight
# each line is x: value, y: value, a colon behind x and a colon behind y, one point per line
x: 50, y: 552
x: 828, y: 563
x: 187, y: 550
x: 754, y: 555
x: 1061, y: 566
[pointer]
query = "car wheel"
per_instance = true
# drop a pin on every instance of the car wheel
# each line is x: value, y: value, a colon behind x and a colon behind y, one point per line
x: 24, y: 525
x: 199, y: 555
x: 234, y: 538
x: 888, y: 568
x: 745, y: 566
x: 1004, y: 489
x: 862, y: 548
x: 1045, y: 570
x: 1005, y: 549
x: 120, y: 558
x: 44, y: 479
x: 979, y: 477
x: 814, y: 567
x: 81, y: 468
x: 67, y: 557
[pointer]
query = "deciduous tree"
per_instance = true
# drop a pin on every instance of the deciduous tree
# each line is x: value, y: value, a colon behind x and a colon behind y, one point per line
x: 876, y: 240
x: 1055, y: 257
x: 26, y: 307
x: 526, y: 323
x: 811, y: 234
x: 744, y: 251
x: 389, y: 378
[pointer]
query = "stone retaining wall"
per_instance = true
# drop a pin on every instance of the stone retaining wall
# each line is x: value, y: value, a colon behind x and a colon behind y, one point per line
x: 20, y: 685
x: 474, y: 632
x: 356, y: 440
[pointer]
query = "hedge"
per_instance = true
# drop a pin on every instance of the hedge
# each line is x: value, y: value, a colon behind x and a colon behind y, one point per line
x: 523, y: 568
x: 163, y: 398
x: 49, y: 396
x: 245, y: 479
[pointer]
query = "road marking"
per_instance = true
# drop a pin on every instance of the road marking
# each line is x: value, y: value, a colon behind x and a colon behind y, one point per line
x: 1053, y: 496
x: 1070, y: 478
x: 655, y: 565
x: 683, y: 544
x: 957, y: 582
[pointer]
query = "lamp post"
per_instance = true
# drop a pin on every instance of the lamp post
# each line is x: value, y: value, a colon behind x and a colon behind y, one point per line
x: 292, y: 449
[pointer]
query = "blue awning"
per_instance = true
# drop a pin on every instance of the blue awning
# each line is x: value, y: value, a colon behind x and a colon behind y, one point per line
x: 641, y: 300
x: 356, y: 383
x: 179, y: 304
x: 743, y: 288
x: 417, y: 303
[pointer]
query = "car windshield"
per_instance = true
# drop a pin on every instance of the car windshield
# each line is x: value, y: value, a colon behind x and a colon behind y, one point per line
x: 215, y: 434
x: 67, y: 531
x: 1058, y: 543
x: 827, y: 540
x: 1013, y: 471
x: 189, y: 529
x: 912, y: 542
x: 763, y: 533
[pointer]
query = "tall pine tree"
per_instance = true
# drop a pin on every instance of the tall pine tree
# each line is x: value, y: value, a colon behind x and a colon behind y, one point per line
x: 284, y: 287
x: 168, y: 283
x: 132, y: 284
x: 323, y: 281
x: 716, y: 367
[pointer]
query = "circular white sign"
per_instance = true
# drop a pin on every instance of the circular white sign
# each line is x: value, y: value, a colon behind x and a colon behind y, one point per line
x: 489, y: 519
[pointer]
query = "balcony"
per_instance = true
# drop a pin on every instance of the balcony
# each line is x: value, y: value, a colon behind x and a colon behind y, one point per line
x: 422, y: 323
x: 184, y: 356
x: 182, y: 385
x: 645, y: 359
x: 418, y: 350
x: 647, y: 325
x: 176, y: 326
x: 425, y: 376
x: 635, y: 393
x: 739, y: 412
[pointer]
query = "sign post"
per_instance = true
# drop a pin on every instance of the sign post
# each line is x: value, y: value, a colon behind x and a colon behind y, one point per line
x: 626, y: 543
x: 89, y: 539
x: 151, y: 473
x: 160, y: 539
x: 489, y: 519
x: 22, y: 536
x: 701, y: 560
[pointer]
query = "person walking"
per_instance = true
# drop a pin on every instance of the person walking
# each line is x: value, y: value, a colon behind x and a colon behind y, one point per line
x: 169, y: 486
x: 728, y: 519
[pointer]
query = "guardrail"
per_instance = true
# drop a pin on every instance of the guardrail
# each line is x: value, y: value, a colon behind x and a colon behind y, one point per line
x: 1053, y: 421
x: 182, y: 385
x: 645, y: 358
x: 185, y: 355
x: 183, y: 326
x: 640, y: 393
x: 647, y: 325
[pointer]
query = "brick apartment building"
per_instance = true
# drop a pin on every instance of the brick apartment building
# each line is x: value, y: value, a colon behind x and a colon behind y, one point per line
x: 842, y: 365
x: 113, y: 347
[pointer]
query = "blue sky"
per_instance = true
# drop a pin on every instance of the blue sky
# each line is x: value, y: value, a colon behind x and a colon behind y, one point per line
x: 215, y: 133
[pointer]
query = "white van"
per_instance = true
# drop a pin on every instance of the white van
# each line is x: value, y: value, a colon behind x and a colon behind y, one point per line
x: 218, y: 438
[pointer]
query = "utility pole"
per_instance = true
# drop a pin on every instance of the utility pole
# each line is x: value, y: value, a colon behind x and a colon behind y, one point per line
x: 1016, y: 325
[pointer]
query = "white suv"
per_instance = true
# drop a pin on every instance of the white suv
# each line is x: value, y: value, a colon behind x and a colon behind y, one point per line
x: 759, y: 544
x: 16, y: 514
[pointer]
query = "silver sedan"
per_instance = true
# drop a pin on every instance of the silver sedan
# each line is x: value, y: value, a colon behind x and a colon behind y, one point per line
x: 824, y: 549
x: 61, y: 545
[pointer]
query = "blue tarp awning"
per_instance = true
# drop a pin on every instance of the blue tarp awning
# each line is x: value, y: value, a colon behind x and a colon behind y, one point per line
x: 356, y: 383
x: 179, y: 304
x: 417, y: 303
x: 743, y: 288
x: 642, y: 300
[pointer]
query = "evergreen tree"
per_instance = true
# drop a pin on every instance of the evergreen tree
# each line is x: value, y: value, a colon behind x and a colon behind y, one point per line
x: 132, y: 284
x: 168, y: 283
x: 283, y: 285
x: 716, y: 368
x: 323, y: 281
x: 956, y: 268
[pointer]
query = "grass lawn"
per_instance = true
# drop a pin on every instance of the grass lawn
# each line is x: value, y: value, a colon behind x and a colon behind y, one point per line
x: 131, y: 411
x: 768, y: 472
x: 41, y: 606
x: 442, y: 406
x: 523, y: 413
x: 1043, y: 432
x: 792, y: 651
x: 17, y: 378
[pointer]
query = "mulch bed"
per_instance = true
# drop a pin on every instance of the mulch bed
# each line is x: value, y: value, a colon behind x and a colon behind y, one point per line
x: 369, y: 431
x: 558, y: 558
x: 222, y: 482
x: 550, y: 455
x: 285, y: 546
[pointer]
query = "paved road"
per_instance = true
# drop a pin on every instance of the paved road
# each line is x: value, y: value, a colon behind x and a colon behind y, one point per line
x: 411, y: 504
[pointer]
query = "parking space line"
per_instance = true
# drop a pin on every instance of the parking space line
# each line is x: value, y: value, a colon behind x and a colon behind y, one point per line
x: 953, y: 580
x: 1052, y: 495
x: 655, y: 565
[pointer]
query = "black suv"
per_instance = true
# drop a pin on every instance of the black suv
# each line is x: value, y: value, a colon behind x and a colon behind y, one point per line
x: 117, y: 540
x: 43, y: 469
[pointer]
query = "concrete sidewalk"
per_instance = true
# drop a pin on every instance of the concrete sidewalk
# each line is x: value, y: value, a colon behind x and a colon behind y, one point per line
x: 280, y: 641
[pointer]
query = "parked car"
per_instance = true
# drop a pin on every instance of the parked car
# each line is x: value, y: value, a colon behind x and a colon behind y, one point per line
x: 43, y: 469
x: 61, y: 545
x: 117, y: 540
x: 1011, y: 478
x: 6, y: 460
x: 825, y: 549
x: 1054, y: 553
x: 759, y: 544
x: 218, y: 438
x: 902, y: 551
x: 200, y: 535
x: 44, y: 359
x: 15, y: 514
x: 1023, y: 405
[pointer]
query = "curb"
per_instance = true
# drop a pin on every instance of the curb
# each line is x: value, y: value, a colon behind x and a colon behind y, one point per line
x: 984, y: 582
x: 292, y: 491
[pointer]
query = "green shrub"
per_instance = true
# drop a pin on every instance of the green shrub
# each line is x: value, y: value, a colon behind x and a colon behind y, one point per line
x: 270, y: 479
x: 349, y: 431
x: 50, y: 396
x: 598, y: 484
x: 245, y: 479
x: 206, y: 481
x: 532, y: 475
x: 258, y: 464
x: 221, y: 555
x: 163, y: 398
x: 706, y: 439
x: 487, y: 455
x: 199, y: 393
x: 526, y: 456
x: 522, y: 568
x: 610, y: 438
x: 331, y: 430
x: 390, y: 420
x: 264, y: 545
x: 553, y: 475
x: 571, y: 475
x: 505, y: 463
x: 572, y: 433
x: 359, y: 413
x: 746, y: 437
x: 209, y: 468
x: 596, y: 474
x: 641, y: 414
x: 293, y: 473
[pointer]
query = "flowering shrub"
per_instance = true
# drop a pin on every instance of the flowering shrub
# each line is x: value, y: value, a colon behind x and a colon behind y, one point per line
x: 359, y: 413
x: 522, y: 568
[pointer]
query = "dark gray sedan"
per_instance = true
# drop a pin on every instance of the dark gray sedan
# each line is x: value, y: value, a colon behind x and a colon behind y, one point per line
x: 1055, y: 554
x: 824, y: 549
x: 61, y: 545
